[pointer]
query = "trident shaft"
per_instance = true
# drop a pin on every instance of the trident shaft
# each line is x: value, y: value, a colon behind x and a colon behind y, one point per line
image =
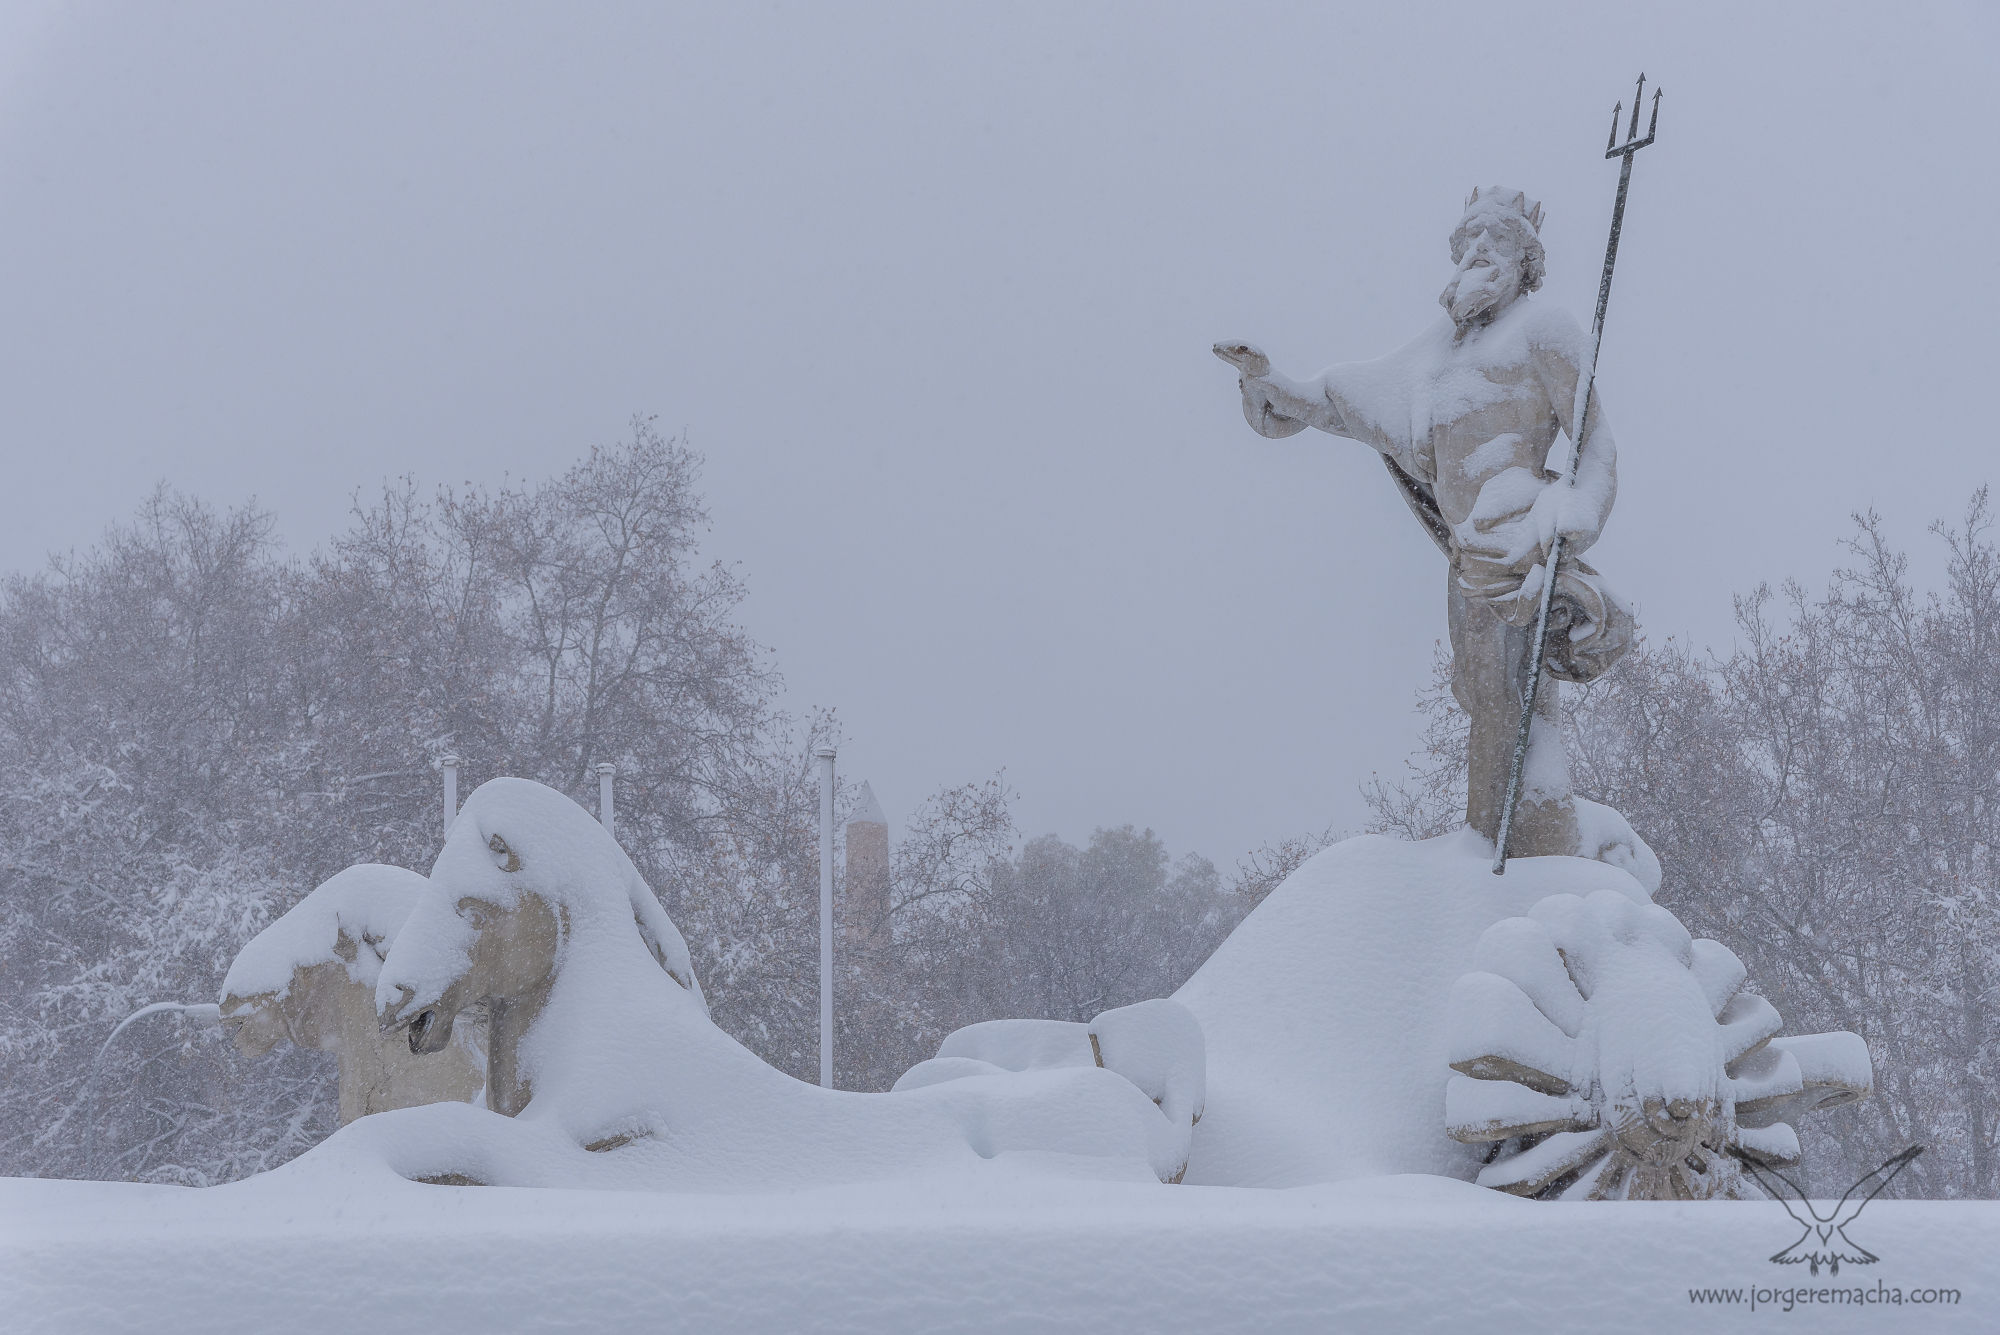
x: 1586, y: 385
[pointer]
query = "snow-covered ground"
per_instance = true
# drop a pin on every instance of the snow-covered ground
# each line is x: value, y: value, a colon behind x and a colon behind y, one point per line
x: 991, y: 1250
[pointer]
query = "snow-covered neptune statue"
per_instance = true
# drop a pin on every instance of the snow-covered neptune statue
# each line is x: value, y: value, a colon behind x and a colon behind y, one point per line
x: 1474, y: 418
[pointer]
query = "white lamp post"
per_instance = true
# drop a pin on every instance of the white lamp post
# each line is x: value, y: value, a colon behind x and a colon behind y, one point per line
x: 448, y: 766
x: 605, y: 771
x: 825, y: 754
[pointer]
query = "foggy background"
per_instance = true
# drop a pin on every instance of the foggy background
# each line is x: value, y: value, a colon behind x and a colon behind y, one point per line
x: 933, y: 289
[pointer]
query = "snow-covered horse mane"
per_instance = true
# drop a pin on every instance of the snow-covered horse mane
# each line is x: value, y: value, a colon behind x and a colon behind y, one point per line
x: 526, y: 882
x: 533, y: 911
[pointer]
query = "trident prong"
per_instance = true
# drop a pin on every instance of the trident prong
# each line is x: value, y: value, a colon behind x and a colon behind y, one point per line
x: 1633, y: 143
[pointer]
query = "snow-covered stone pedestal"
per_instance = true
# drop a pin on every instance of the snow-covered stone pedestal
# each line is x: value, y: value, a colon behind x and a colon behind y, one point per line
x: 1600, y: 1050
x: 1325, y: 1011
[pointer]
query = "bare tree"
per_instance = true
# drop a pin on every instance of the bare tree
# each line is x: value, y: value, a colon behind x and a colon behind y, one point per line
x: 196, y: 730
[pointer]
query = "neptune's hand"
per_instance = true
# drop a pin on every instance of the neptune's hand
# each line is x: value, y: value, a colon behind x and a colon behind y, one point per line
x: 1245, y: 357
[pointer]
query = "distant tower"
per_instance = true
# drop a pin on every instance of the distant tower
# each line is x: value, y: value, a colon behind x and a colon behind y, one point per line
x: 867, y: 918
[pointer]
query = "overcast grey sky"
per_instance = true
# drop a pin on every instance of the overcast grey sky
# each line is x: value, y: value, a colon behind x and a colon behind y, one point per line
x: 933, y: 288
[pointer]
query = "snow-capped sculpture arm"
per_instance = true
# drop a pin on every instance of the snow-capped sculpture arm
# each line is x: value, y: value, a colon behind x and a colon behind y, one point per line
x: 1277, y: 406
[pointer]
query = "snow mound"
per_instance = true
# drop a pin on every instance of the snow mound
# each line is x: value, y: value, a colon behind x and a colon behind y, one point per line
x: 1156, y: 1045
x: 940, y: 1069
x: 1604, y: 834
x: 1324, y: 1011
x: 1021, y: 1045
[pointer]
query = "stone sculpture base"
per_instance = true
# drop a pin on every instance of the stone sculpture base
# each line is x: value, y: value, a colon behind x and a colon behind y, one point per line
x: 1324, y: 1012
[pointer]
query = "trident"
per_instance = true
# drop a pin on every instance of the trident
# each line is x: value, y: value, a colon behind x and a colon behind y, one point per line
x: 1586, y: 383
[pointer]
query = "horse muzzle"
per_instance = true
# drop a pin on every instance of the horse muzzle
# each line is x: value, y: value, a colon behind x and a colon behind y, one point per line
x: 427, y: 1029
